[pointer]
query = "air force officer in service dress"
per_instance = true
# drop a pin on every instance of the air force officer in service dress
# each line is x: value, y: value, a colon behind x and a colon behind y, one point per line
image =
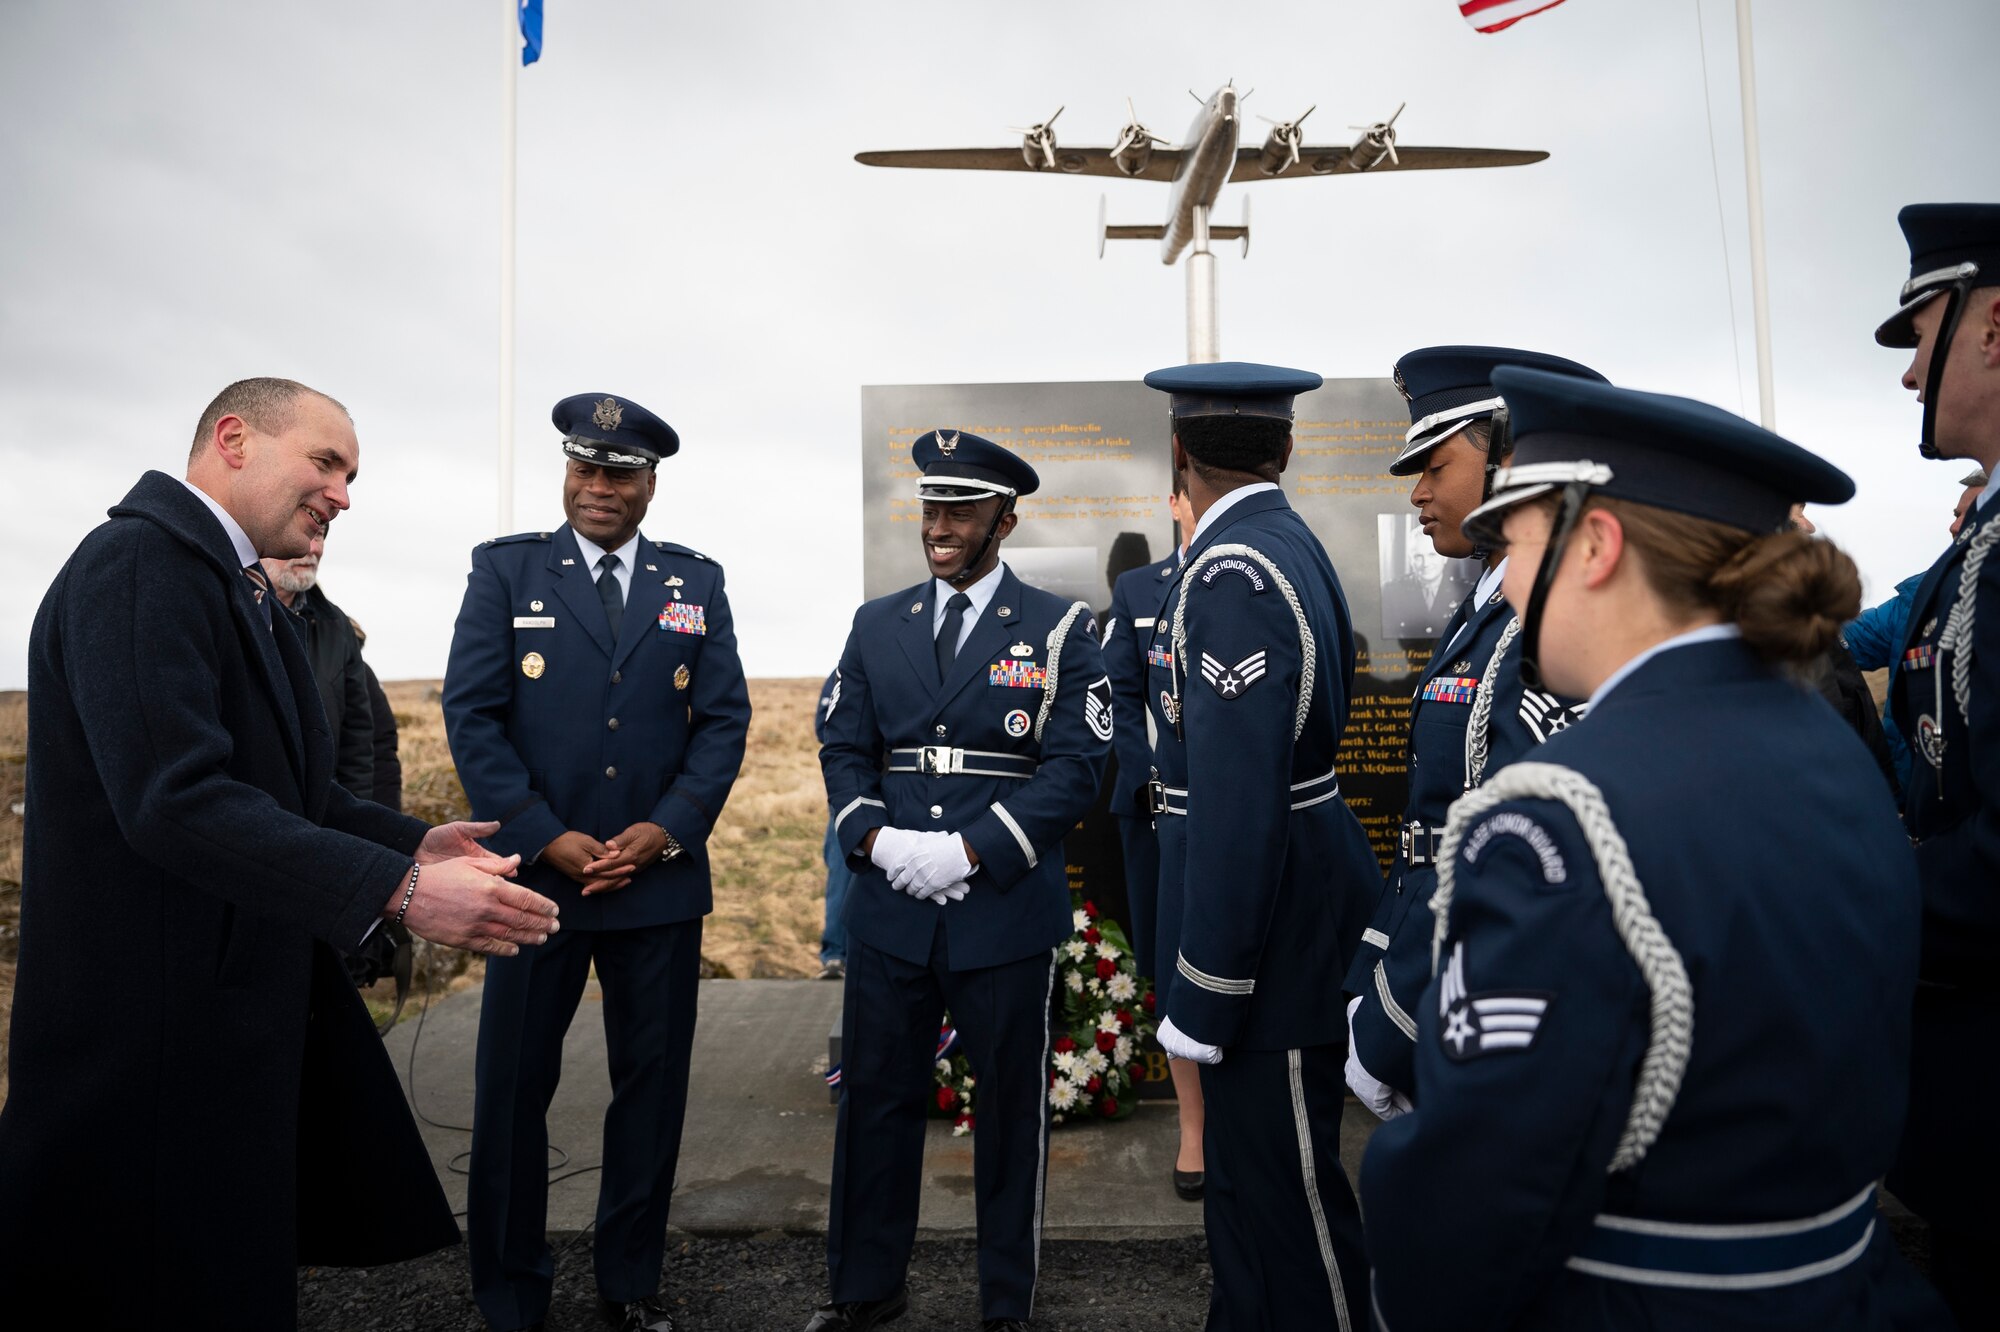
x: 596, y: 707
x: 970, y: 735
x: 1266, y: 878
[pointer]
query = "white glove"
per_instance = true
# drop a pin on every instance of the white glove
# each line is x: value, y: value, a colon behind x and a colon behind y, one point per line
x: 1180, y: 1045
x: 1376, y: 1094
x: 938, y: 862
x: 952, y: 892
x: 893, y: 848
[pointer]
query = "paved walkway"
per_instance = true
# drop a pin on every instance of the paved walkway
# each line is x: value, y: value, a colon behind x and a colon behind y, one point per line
x: 757, y: 1153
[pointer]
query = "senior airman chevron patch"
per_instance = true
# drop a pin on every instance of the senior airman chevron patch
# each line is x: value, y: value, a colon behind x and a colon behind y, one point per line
x: 1233, y: 681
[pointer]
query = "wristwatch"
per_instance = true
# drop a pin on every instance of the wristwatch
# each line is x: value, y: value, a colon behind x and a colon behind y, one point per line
x: 672, y: 849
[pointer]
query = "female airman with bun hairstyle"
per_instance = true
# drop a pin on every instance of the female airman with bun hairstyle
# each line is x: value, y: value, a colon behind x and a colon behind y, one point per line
x: 1661, y: 1062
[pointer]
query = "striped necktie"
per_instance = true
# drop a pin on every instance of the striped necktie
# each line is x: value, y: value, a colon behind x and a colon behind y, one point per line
x: 260, y: 590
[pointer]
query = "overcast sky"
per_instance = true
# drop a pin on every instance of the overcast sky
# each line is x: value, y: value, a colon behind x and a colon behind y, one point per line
x: 195, y: 192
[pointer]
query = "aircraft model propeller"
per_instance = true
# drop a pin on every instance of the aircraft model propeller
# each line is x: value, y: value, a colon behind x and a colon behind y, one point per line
x: 1134, y: 147
x: 1038, y: 143
x: 1376, y: 142
x: 1281, y: 149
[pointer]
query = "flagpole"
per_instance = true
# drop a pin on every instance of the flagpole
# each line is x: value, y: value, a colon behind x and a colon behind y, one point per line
x: 512, y: 68
x: 1753, y: 170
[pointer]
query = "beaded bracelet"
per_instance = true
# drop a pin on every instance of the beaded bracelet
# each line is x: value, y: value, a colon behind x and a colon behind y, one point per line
x: 408, y: 893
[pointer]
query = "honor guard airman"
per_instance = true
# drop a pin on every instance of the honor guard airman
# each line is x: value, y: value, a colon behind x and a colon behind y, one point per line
x: 1128, y: 643
x: 1660, y: 1065
x: 1471, y: 716
x: 1946, y: 701
x: 596, y: 707
x: 1266, y: 877
x: 970, y: 735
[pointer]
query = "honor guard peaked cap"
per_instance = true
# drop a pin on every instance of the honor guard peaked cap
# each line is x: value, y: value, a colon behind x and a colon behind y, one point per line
x: 1232, y: 388
x: 957, y: 466
x: 1451, y: 387
x: 1949, y: 244
x: 612, y: 431
x: 1649, y: 448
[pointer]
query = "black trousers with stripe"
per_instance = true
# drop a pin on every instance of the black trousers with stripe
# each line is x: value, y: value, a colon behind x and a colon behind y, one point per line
x: 888, y: 1045
x: 1284, y: 1229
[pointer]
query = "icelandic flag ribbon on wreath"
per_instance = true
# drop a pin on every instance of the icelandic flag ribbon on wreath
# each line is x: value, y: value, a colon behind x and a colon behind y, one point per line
x: 531, y: 31
x: 1494, y: 15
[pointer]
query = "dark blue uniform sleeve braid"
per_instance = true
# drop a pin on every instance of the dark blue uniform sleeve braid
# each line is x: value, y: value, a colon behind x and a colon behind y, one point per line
x: 1242, y: 663
x: 718, y: 729
x: 1960, y: 867
x: 1526, y: 1112
x: 478, y: 700
x: 1016, y: 830
x: 850, y: 756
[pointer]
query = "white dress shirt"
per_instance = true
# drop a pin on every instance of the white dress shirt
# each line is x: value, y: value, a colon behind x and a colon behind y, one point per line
x: 980, y: 594
x: 246, y: 554
x: 1226, y: 503
x: 592, y: 553
x: 1708, y: 633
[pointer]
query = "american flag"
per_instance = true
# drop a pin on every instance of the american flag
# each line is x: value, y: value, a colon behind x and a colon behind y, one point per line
x: 1493, y: 15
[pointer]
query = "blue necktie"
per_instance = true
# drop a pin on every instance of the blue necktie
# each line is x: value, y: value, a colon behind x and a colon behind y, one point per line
x: 608, y: 593
x: 947, y: 636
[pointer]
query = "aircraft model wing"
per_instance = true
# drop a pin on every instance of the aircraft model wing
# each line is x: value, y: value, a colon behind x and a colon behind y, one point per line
x: 1160, y: 165
x: 1337, y: 159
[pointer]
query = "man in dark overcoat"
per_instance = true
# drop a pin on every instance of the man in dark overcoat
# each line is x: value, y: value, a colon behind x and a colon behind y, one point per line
x: 196, y: 1091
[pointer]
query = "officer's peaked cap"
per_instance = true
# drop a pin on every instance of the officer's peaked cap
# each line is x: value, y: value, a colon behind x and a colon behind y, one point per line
x: 1944, y: 239
x: 1451, y: 387
x: 611, y: 431
x: 960, y: 466
x: 1232, y: 388
x: 1649, y: 448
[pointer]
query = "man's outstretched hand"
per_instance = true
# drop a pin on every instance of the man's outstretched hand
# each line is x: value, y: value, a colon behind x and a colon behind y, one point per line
x: 448, y: 841
x: 466, y: 902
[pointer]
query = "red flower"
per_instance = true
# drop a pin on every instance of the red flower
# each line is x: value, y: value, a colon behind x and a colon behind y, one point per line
x: 1064, y: 1045
x: 1106, y: 968
x: 1132, y: 1074
x: 1093, y: 936
x: 965, y: 1121
x: 1149, y: 1001
x: 1090, y: 908
x: 1105, y: 1040
x: 1108, y: 1106
x: 1125, y: 1018
x: 947, y: 1098
x: 1095, y: 1085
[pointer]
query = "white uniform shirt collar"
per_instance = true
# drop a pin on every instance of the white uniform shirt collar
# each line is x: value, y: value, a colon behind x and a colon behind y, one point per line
x: 980, y: 594
x: 627, y: 553
x: 1708, y: 633
x: 1226, y: 503
x: 246, y: 554
x: 1979, y: 500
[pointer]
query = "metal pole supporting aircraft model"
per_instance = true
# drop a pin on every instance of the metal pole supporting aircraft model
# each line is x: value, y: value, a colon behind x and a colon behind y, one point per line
x: 1197, y: 171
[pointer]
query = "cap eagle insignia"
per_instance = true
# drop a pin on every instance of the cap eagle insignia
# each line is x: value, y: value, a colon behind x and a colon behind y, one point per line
x: 608, y: 415
x: 947, y: 444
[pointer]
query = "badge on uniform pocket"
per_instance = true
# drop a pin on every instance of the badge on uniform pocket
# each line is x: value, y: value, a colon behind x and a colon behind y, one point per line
x: 681, y: 676
x: 532, y: 665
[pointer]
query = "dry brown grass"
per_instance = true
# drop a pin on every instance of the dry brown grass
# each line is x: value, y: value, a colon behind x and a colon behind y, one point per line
x: 769, y: 883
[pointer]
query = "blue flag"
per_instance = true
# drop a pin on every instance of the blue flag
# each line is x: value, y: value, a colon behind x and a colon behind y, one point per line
x: 531, y: 31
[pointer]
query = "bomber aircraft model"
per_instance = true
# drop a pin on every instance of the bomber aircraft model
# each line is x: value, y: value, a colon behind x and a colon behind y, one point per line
x: 1196, y: 171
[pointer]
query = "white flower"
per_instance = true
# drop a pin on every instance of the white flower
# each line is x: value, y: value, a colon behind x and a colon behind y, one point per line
x: 966, y: 1083
x: 1082, y: 921
x: 1096, y: 986
x: 1109, y: 950
x: 1063, y: 1095
x: 1122, y: 987
x: 1095, y: 1061
x: 1075, y: 981
x: 944, y: 1067
x: 1108, y: 1022
x: 960, y: 1129
x: 1066, y: 1063
x: 1077, y: 949
x: 1122, y: 1051
x: 1056, y: 1119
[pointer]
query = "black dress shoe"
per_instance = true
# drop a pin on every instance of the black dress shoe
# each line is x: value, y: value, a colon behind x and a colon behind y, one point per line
x: 859, y: 1315
x: 648, y: 1315
x: 1190, y: 1184
x: 1004, y: 1325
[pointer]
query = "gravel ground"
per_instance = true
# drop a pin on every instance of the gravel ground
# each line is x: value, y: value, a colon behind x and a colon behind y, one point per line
x: 773, y: 1282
